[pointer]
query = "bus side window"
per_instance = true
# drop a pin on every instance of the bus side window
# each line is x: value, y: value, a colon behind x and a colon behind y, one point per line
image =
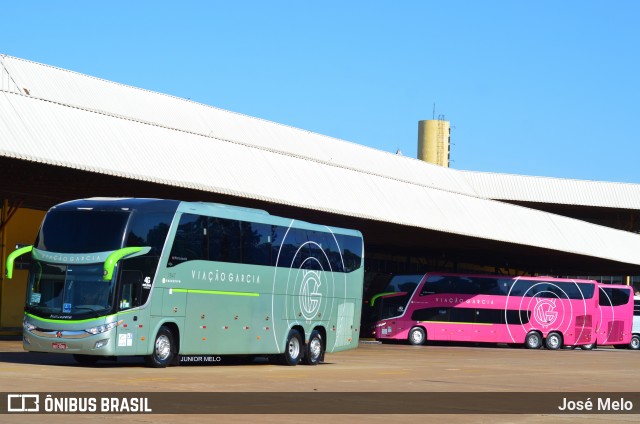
x: 131, y: 290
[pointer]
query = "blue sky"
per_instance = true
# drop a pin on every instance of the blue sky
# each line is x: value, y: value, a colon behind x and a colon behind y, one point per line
x: 547, y: 88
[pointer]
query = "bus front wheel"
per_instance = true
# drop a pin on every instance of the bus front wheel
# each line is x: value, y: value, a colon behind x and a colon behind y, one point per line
x: 292, y: 348
x: 314, y: 350
x: 635, y: 342
x: 164, y: 349
x: 533, y: 340
x: 553, y: 341
x: 417, y: 336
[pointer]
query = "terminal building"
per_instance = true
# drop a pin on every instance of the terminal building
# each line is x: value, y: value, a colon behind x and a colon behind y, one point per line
x: 64, y: 135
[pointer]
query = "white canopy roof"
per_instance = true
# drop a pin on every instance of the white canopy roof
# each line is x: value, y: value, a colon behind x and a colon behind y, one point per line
x: 63, y: 118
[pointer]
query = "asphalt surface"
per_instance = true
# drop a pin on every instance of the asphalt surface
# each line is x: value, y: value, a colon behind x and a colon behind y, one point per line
x: 386, y: 369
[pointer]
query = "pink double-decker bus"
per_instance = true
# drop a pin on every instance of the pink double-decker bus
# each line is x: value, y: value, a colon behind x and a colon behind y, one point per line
x: 614, y: 320
x: 533, y: 311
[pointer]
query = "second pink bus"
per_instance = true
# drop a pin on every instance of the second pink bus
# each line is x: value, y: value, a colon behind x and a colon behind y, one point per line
x: 533, y: 311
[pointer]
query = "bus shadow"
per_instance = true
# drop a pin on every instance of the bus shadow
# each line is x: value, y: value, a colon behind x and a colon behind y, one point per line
x: 66, y: 360
x: 53, y: 359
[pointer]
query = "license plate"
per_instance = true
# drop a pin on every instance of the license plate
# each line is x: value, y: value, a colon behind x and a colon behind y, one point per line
x: 60, y: 346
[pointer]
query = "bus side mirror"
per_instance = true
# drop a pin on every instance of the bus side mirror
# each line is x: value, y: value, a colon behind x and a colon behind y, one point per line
x: 385, y: 295
x: 114, y: 257
x: 13, y: 256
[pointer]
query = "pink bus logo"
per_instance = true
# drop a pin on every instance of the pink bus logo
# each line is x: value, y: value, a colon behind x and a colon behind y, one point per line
x: 544, y: 312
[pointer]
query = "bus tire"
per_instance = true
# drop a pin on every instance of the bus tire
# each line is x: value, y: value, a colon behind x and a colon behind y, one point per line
x: 292, y: 349
x: 634, y: 344
x: 553, y: 341
x: 164, y: 349
x: 589, y: 346
x: 86, y: 359
x: 314, y: 350
x: 417, y: 336
x: 533, y: 340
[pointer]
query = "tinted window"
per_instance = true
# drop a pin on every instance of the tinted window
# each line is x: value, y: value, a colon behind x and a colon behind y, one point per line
x: 391, y: 306
x: 225, y: 242
x: 256, y: 243
x: 614, y: 296
x: 403, y: 283
x: 463, y: 315
x: 325, y: 250
x: 282, y: 255
x: 351, y: 251
x: 431, y: 314
x: 439, y: 284
x: 149, y: 229
x: 319, y: 260
x: 82, y: 231
x: 471, y: 315
x: 636, y: 307
x: 190, y: 242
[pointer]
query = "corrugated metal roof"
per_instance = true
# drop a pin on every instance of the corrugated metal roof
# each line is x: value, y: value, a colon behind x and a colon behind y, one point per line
x: 81, y: 122
x: 70, y: 88
x: 554, y: 190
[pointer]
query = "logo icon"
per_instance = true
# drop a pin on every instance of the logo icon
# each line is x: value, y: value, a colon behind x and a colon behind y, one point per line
x: 23, y: 403
x: 310, y: 295
x: 544, y: 312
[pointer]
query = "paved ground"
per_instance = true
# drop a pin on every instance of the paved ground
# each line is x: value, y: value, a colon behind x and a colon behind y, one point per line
x: 384, y: 368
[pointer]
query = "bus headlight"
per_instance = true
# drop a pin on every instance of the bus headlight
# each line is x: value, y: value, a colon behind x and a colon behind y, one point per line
x: 27, y: 326
x: 103, y: 328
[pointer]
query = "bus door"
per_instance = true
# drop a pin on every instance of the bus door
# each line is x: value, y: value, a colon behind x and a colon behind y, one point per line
x: 129, y: 296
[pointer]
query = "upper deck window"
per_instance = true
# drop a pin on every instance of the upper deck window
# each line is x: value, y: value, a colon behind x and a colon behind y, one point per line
x: 82, y: 231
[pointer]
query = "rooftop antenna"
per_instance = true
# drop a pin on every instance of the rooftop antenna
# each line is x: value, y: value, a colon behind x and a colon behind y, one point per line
x: 434, y: 110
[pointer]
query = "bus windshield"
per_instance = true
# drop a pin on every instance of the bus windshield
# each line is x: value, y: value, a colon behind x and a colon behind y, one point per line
x: 395, y: 297
x: 74, y: 291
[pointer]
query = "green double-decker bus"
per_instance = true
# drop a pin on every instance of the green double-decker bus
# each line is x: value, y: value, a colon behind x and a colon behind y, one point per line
x: 164, y: 279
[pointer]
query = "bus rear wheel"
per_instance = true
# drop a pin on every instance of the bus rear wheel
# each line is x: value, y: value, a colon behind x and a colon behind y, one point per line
x: 635, y: 342
x: 417, y: 336
x: 314, y: 350
x: 533, y: 340
x: 553, y: 341
x: 164, y: 349
x: 589, y: 346
x: 292, y: 349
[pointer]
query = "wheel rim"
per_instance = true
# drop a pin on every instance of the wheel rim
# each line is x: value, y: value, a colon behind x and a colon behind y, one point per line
x: 416, y: 336
x: 533, y: 341
x: 315, y: 348
x: 163, y: 347
x: 635, y: 343
x: 294, y: 348
x: 554, y: 341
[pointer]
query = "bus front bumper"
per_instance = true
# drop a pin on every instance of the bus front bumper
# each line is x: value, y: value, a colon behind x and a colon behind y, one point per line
x: 81, y: 342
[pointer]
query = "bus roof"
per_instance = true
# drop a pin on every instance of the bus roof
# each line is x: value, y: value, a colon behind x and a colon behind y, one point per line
x: 203, y: 208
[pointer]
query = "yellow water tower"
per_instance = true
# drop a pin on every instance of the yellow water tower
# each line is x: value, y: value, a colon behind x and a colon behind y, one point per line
x: 434, y: 136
